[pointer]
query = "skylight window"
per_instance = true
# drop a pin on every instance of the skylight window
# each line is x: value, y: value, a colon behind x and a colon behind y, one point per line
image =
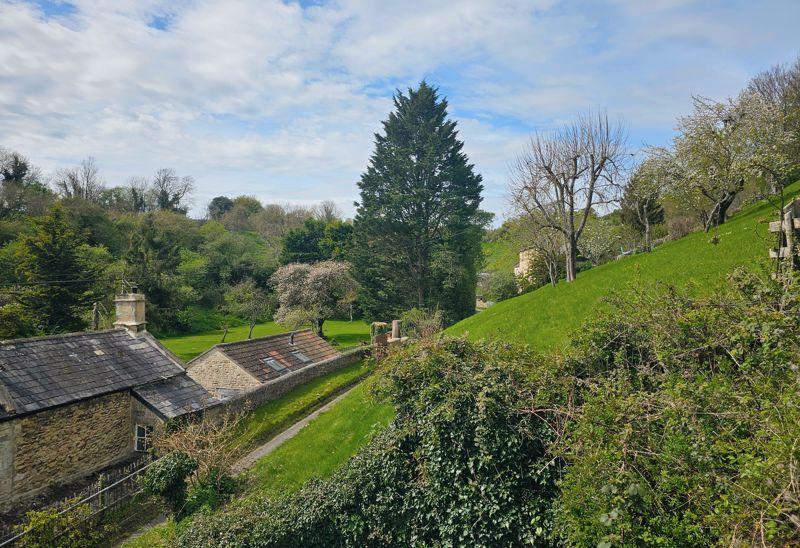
x: 273, y: 364
x: 300, y: 356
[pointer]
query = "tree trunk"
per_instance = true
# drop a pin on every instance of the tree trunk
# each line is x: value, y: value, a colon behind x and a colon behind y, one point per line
x: 224, y: 334
x: 648, y: 243
x: 552, y: 271
x: 319, y: 323
x: 571, y: 258
x: 720, y: 212
x: 250, y: 333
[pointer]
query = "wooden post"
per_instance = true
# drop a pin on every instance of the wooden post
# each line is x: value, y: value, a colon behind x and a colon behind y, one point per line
x: 787, y: 226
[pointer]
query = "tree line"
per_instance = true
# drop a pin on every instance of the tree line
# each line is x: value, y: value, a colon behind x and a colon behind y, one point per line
x: 69, y: 240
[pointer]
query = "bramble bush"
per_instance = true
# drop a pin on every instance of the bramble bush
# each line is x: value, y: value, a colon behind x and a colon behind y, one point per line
x: 685, y: 427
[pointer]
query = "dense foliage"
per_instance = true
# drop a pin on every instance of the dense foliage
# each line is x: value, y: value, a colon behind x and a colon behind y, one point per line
x: 167, y: 479
x: 463, y: 463
x: 672, y: 420
x: 418, y: 225
x: 684, y: 426
x: 68, y: 241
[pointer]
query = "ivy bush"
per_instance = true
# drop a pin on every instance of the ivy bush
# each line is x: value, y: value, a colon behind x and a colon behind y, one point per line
x: 167, y: 480
x: 670, y: 421
x: 463, y: 463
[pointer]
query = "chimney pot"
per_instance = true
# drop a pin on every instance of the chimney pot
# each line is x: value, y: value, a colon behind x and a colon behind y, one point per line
x: 130, y: 309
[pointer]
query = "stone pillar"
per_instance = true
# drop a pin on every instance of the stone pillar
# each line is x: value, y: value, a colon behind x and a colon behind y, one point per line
x: 130, y: 312
x: 395, y: 329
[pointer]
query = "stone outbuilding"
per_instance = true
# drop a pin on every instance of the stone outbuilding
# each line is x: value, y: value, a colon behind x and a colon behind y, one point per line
x: 230, y: 369
x: 71, y: 405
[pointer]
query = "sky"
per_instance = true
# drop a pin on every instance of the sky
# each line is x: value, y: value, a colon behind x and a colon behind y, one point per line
x: 281, y: 100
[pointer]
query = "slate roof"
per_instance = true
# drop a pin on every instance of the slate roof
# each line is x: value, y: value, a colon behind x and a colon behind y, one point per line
x: 175, y: 396
x: 252, y: 355
x: 43, y: 372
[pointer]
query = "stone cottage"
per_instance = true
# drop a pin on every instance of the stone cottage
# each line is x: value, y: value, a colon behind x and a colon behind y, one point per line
x: 71, y: 405
x: 231, y: 369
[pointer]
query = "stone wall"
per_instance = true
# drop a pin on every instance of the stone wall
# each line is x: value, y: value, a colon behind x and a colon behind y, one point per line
x: 216, y: 371
x: 63, y: 444
x: 280, y: 386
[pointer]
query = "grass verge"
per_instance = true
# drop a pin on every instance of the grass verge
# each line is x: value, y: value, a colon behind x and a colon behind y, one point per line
x: 269, y: 419
x: 323, y: 445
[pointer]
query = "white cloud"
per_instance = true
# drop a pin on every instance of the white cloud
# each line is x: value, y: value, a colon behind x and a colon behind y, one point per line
x: 273, y: 99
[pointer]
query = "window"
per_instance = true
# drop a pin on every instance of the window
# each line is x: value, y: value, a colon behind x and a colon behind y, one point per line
x: 144, y: 436
x: 300, y: 356
x: 273, y: 364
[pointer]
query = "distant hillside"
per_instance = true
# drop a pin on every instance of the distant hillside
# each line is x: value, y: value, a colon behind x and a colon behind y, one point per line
x: 545, y: 318
x: 500, y: 255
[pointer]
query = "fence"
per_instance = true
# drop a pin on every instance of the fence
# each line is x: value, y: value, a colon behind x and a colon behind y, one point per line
x: 787, y: 227
x: 108, y: 493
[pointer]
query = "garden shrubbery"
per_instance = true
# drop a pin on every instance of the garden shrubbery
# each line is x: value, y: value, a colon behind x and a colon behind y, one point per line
x: 462, y: 464
x: 670, y: 421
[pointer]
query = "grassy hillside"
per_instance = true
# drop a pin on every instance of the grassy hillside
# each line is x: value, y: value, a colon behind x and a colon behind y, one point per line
x: 544, y: 318
x: 186, y: 347
x: 500, y: 255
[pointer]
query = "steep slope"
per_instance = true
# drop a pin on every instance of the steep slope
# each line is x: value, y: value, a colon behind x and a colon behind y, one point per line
x: 545, y: 318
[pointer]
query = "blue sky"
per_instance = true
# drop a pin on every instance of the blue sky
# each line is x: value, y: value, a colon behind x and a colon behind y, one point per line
x: 280, y: 100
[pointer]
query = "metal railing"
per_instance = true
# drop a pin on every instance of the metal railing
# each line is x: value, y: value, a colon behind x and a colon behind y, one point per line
x: 99, y: 497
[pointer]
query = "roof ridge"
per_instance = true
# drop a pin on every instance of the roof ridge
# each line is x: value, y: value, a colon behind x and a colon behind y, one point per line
x: 265, y: 337
x: 4, y: 342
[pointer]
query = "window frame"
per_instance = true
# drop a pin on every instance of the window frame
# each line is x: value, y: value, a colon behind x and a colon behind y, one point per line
x: 144, y: 442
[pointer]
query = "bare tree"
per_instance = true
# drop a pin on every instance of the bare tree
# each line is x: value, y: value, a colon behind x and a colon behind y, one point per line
x: 327, y: 211
x: 170, y: 191
x: 82, y: 182
x: 546, y: 241
x: 562, y: 176
x: 139, y: 195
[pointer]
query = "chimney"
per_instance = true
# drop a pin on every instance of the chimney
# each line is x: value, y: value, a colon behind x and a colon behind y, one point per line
x: 130, y: 311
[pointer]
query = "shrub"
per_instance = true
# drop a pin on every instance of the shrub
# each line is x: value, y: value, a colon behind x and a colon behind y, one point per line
x: 50, y: 527
x: 463, y: 463
x: 167, y: 480
x: 498, y: 286
x: 422, y: 324
x: 210, y: 492
x: 688, y: 422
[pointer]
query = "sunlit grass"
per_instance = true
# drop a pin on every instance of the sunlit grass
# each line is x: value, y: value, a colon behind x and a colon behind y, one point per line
x: 547, y: 317
x: 341, y: 332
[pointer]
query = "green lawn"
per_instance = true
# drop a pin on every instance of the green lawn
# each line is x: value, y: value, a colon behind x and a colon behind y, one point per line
x: 343, y: 333
x: 546, y: 317
x: 269, y: 419
x: 323, y: 445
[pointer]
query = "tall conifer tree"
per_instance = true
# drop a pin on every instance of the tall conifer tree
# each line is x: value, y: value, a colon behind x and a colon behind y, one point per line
x: 418, y: 224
